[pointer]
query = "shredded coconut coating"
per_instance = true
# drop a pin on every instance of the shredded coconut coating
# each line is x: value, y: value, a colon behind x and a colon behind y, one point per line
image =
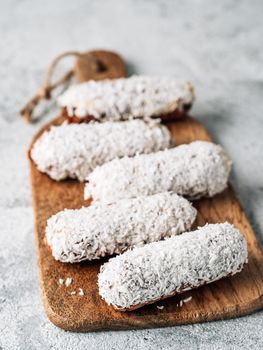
x: 107, y: 229
x: 200, y: 169
x: 125, y: 98
x: 74, y: 150
x: 180, y: 263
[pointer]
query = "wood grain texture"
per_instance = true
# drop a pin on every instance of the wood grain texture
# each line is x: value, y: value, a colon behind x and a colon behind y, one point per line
x: 234, y: 296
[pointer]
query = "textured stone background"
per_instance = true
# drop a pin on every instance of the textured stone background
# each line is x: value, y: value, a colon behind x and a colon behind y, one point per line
x: 217, y: 44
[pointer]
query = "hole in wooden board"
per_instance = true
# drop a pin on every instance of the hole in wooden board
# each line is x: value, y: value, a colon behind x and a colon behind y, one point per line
x: 101, y: 67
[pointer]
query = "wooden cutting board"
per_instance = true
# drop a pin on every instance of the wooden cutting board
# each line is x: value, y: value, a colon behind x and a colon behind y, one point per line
x: 231, y: 297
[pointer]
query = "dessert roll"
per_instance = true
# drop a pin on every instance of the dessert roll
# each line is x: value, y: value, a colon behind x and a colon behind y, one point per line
x: 199, y: 169
x: 127, y: 98
x: 106, y: 229
x: 162, y: 269
x: 74, y: 150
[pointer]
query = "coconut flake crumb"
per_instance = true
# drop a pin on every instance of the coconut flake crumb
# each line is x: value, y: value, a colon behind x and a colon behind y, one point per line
x: 199, y: 169
x: 160, y: 307
x: 125, y: 98
x: 168, y: 267
x: 81, y: 292
x: 73, y: 293
x: 74, y: 150
x: 68, y: 281
x: 105, y: 229
x: 186, y: 300
x: 60, y: 281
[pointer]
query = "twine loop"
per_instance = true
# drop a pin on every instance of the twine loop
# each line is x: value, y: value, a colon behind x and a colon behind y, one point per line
x: 45, y: 91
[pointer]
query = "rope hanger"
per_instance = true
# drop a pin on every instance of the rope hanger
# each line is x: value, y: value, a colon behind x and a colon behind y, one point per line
x: 45, y: 91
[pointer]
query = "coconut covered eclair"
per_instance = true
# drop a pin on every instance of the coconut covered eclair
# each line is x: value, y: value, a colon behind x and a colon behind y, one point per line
x: 166, y: 268
x: 200, y: 169
x: 106, y: 229
x: 73, y: 151
x: 126, y: 98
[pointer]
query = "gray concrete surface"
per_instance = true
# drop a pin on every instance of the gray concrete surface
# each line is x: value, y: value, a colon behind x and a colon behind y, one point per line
x: 218, y: 45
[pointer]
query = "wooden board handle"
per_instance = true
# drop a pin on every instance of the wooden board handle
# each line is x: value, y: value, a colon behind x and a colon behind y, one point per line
x: 95, y: 65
